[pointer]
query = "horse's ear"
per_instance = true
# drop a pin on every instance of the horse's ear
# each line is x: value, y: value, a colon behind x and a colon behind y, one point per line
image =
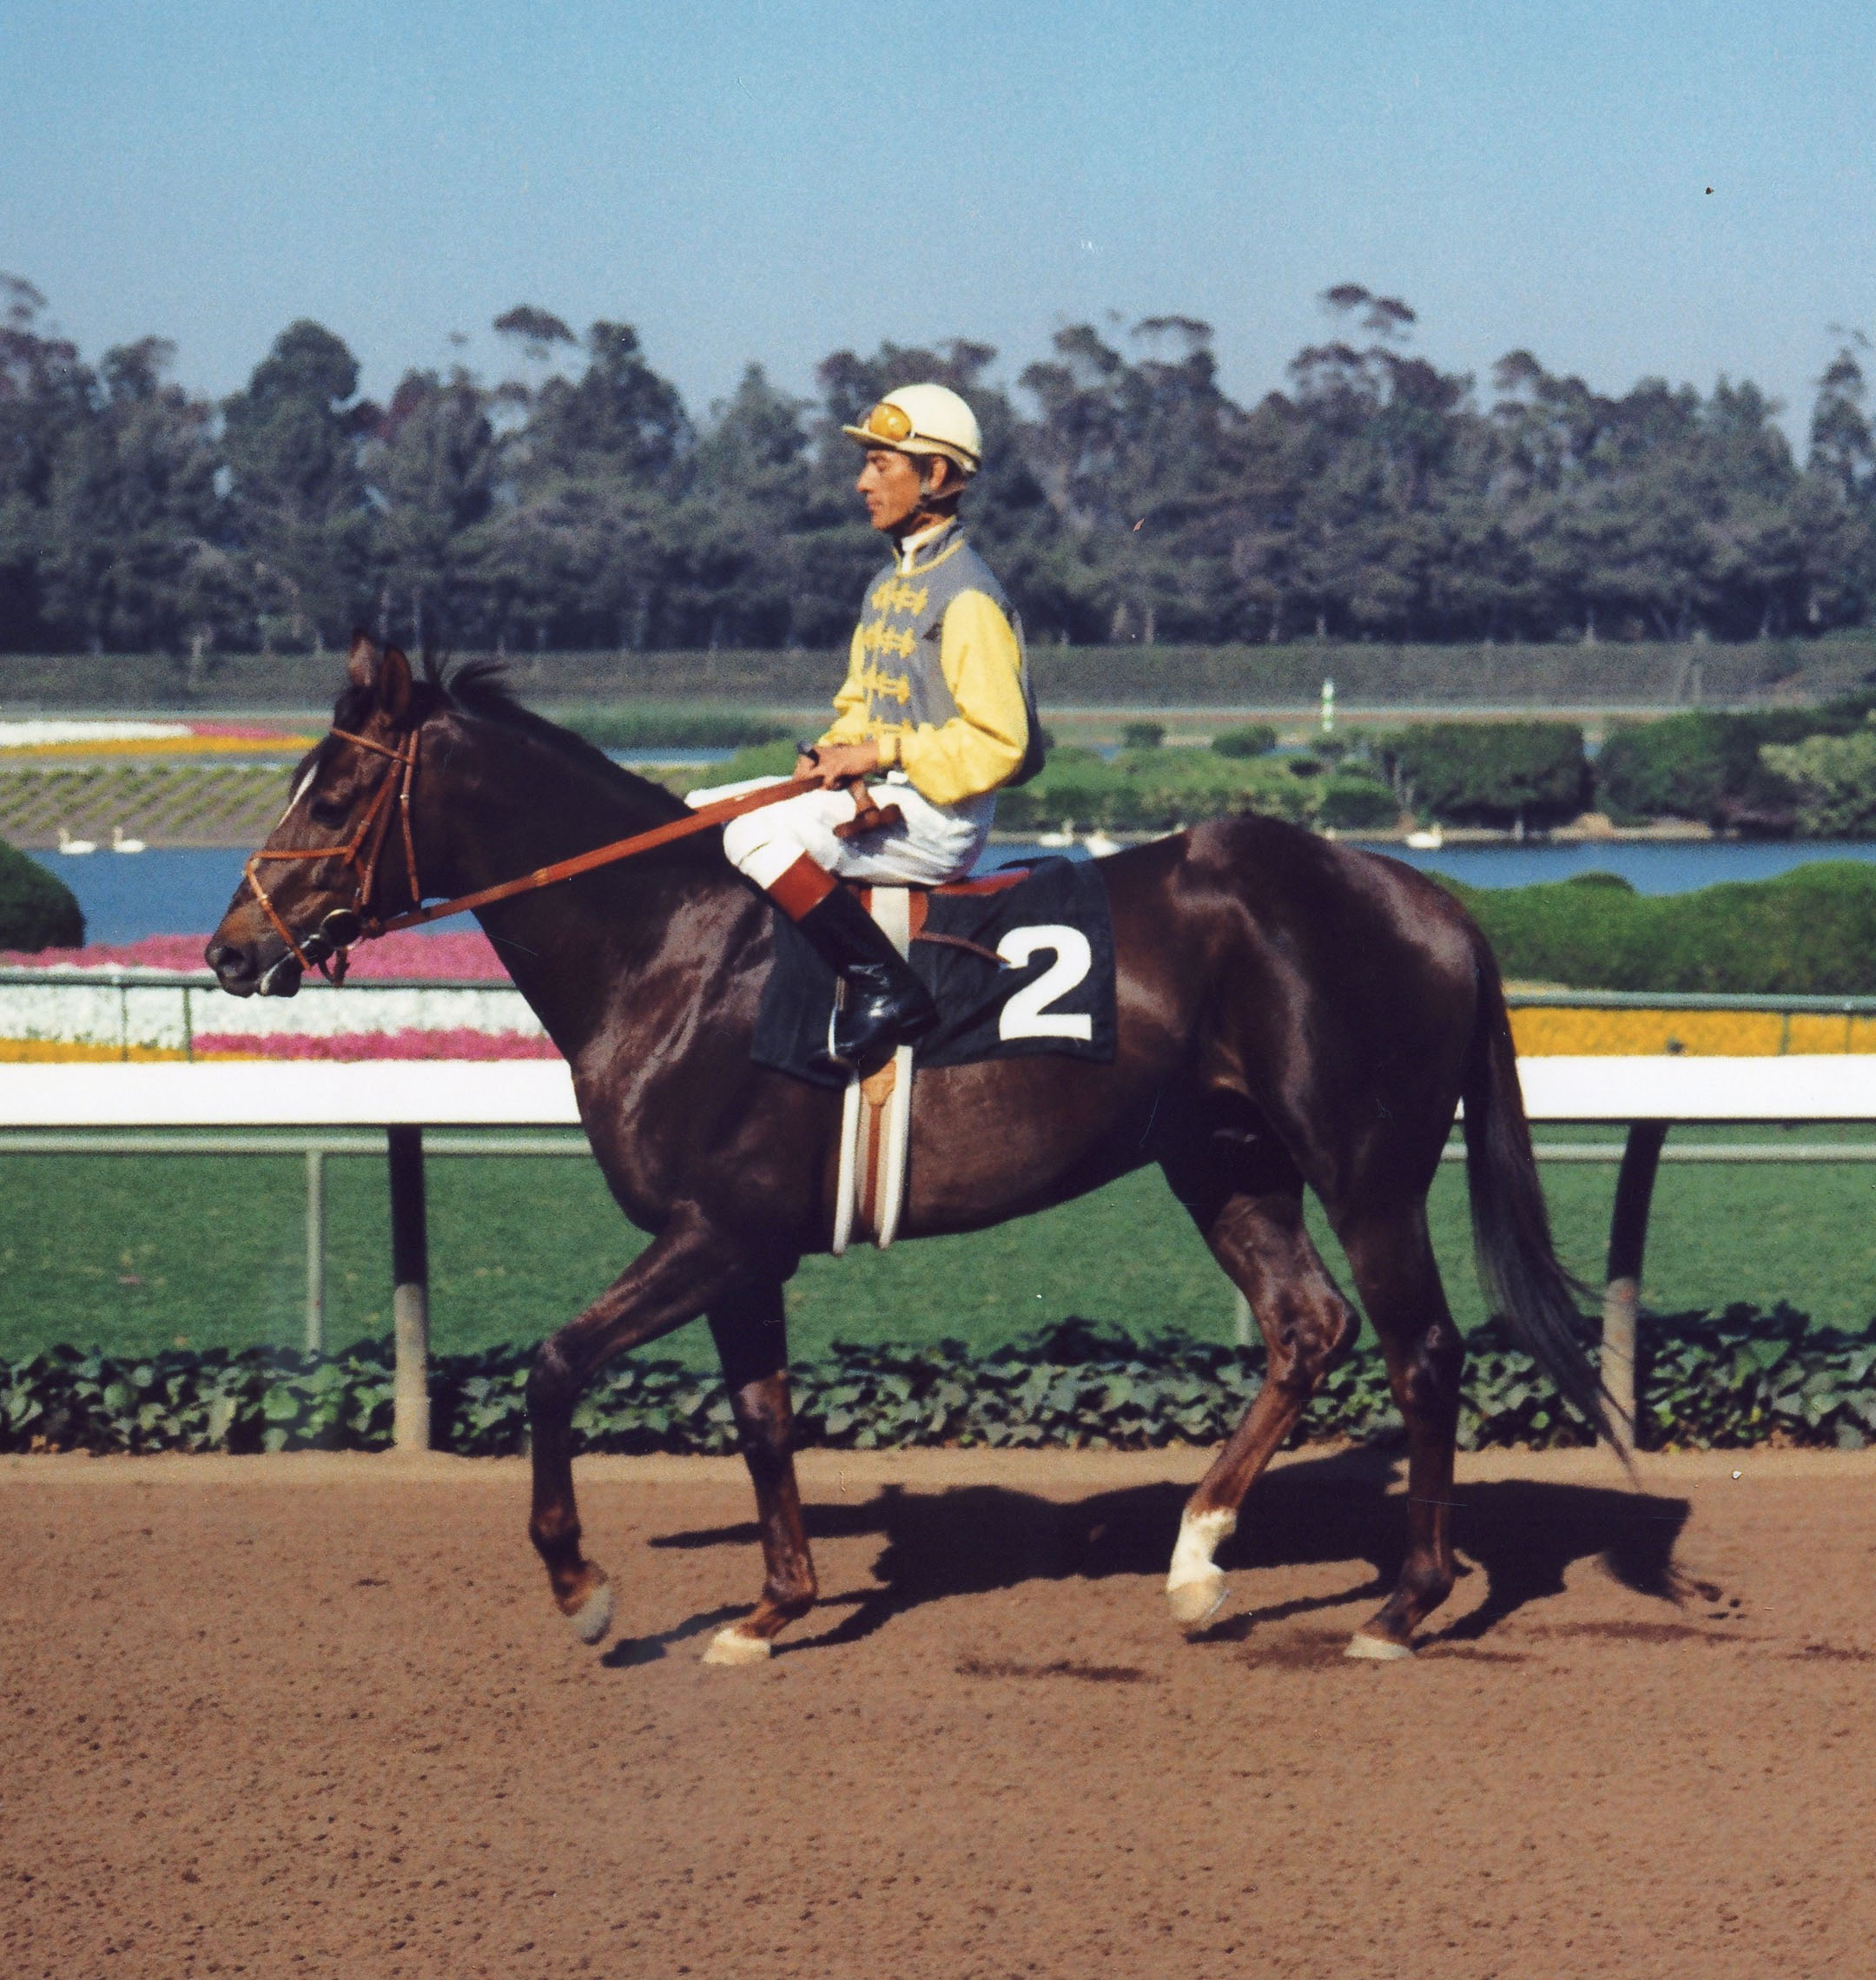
x: 394, y: 684
x: 361, y: 663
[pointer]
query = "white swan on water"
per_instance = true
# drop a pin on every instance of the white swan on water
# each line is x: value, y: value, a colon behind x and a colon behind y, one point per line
x: 120, y: 844
x: 67, y: 844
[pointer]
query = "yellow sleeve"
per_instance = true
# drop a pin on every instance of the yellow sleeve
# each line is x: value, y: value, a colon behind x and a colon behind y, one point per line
x: 849, y: 723
x: 983, y: 745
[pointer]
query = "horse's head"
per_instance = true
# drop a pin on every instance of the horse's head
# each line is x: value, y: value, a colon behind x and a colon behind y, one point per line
x: 343, y: 853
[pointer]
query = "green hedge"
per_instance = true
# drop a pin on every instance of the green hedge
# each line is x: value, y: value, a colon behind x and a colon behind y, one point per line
x: 37, y: 910
x: 1811, y: 931
x: 1739, y: 1378
x: 1492, y: 773
x: 670, y: 728
x: 1255, y: 739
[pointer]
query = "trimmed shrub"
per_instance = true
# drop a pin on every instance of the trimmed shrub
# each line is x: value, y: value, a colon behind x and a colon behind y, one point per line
x: 1809, y: 932
x: 1833, y: 782
x: 1255, y: 739
x: 1143, y: 735
x: 1493, y: 773
x: 1707, y: 766
x: 37, y: 910
x: 1356, y: 804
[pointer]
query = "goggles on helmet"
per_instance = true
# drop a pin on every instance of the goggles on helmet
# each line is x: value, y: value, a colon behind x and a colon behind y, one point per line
x: 888, y: 422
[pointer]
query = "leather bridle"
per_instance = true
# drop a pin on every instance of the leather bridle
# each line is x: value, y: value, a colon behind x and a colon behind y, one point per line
x: 329, y: 948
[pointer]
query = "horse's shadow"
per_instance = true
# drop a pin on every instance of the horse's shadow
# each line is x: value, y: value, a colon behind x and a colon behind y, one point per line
x: 977, y: 1539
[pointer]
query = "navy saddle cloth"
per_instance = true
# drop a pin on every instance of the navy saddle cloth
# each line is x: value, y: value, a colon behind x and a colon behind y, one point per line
x: 1054, y: 993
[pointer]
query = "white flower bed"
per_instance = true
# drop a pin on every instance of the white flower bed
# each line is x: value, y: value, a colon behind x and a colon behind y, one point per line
x: 41, y: 734
x: 152, y: 1009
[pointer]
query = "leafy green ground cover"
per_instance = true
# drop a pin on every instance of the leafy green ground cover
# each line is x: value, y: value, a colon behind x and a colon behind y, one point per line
x: 134, y: 1255
x: 1742, y: 1378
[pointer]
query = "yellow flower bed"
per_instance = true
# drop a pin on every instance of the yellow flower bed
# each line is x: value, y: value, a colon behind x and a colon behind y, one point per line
x: 164, y: 746
x: 1549, y: 1032
x: 62, y: 1052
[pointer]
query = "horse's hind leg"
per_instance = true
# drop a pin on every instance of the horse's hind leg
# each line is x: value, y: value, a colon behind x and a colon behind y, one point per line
x: 1250, y: 1209
x: 751, y: 1337
x: 1398, y: 1277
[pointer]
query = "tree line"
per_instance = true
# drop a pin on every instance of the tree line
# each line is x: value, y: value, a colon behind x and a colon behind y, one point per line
x: 577, y: 503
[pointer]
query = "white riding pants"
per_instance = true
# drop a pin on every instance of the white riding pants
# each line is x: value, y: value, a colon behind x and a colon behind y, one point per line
x: 938, y: 842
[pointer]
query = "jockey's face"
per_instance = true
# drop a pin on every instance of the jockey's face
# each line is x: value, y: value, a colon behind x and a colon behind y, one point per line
x: 895, y: 489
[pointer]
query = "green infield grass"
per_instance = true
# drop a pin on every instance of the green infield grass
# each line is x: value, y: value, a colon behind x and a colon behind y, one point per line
x: 132, y: 1253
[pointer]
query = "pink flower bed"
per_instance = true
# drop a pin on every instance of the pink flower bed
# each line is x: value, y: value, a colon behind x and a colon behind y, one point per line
x: 465, y: 954
x: 248, y: 731
x: 460, y: 1043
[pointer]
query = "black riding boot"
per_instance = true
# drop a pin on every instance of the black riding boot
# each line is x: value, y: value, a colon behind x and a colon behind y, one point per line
x: 886, y: 1006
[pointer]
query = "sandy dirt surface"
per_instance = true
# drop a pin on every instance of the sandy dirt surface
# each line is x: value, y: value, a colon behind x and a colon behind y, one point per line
x: 316, y: 1716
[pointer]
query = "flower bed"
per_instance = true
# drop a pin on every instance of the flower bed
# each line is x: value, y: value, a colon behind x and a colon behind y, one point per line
x: 461, y: 953
x: 459, y: 1042
x: 57, y: 738
x: 411, y: 996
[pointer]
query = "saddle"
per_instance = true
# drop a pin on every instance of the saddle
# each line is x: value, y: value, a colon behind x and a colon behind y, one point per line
x: 1004, y: 955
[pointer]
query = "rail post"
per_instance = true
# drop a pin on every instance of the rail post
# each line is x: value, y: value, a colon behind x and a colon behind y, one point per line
x: 410, y: 1289
x: 315, y: 1250
x: 1622, y: 1296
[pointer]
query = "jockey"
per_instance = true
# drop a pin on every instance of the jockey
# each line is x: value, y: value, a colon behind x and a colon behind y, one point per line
x: 936, y: 706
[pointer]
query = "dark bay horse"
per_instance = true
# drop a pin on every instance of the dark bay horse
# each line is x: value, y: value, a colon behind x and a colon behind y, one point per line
x: 1293, y: 1015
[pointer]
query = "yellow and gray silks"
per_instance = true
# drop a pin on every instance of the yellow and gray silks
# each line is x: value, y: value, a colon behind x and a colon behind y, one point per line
x: 936, y: 675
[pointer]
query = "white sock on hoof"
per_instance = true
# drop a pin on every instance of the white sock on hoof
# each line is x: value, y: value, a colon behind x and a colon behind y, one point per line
x: 1376, y: 1649
x: 733, y: 1646
x: 591, y: 1619
x: 1195, y: 1589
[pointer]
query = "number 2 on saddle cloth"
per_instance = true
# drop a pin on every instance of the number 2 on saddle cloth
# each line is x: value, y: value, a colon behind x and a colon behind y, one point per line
x: 1049, y: 931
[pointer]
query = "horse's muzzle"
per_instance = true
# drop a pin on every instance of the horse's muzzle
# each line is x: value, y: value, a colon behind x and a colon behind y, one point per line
x: 238, y: 970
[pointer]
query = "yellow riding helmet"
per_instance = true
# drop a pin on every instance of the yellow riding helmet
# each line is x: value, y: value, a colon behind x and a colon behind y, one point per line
x: 924, y: 419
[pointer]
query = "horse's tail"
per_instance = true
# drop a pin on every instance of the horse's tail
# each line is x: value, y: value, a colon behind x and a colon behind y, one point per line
x: 1518, y: 1263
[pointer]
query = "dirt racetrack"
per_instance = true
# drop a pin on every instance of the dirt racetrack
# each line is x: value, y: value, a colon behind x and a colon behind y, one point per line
x: 315, y: 1715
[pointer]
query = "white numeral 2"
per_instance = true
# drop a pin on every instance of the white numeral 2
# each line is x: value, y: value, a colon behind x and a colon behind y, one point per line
x: 1027, y: 1014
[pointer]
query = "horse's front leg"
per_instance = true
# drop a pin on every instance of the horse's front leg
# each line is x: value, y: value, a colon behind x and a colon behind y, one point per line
x: 672, y: 1281
x: 751, y: 1337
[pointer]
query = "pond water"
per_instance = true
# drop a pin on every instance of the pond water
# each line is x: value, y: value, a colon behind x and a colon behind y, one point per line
x: 127, y: 896
x: 1650, y: 868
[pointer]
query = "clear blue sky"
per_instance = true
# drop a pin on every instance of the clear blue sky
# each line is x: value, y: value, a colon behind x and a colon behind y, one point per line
x: 749, y: 180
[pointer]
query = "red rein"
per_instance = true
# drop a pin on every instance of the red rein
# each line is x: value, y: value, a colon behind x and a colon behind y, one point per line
x: 361, y: 851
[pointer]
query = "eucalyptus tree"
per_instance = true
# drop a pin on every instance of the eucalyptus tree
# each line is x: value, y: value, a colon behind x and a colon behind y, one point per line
x: 576, y: 546
x: 137, y: 548
x: 302, y: 517
x: 431, y: 467
x: 45, y: 396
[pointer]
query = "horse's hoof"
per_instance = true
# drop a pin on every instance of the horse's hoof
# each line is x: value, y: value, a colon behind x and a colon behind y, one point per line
x: 1376, y: 1649
x: 591, y: 1619
x: 734, y: 1645
x: 1194, y: 1603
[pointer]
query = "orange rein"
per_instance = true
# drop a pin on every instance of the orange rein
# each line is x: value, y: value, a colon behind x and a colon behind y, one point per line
x: 372, y: 830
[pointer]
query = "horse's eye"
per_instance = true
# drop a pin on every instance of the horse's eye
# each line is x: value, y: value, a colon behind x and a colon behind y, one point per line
x: 327, y: 811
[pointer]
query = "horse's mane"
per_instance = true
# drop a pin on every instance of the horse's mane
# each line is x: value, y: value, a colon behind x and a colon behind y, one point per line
x: 480, y: 688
